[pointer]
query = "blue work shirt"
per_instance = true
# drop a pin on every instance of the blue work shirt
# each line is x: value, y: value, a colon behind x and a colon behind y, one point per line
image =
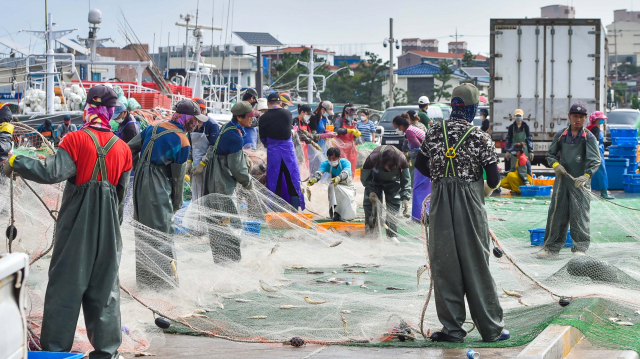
x: 211, y: 129
x: 343, y: 165
x: 171, y: 148
x: 232, y: 140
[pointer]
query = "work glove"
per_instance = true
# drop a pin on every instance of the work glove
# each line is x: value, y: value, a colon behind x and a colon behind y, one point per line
x: 488, y: 190
x: 328, y: 134
x: 335, y: 181
x: 582, y: 180
x: 312, y: 182
x: 405, y: 207
x: 373, y: 197
x: 199, y: 169
x: 559, y: 169
x: 250, y: 186
x: 354, y: 132
x: 507, y: 156
x: 531, y: 155
x: 189, y: 166
x: 7, y: 169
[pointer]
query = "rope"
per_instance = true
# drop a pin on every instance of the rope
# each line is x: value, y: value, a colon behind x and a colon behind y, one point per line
x: 13, y: 221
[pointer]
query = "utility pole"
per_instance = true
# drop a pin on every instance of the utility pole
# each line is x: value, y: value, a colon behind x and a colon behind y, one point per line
x: 186, y: 18
x: 310, y: 79
x: 615, y: 35
x: 391, y: 41
x: 456, y: 46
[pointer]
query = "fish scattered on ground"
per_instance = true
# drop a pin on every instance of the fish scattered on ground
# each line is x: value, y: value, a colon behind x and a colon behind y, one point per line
x: 308, y: 300
x: 512, y: 293
x: 203, y: 310
x: 287, y: 306
x: 364, y: 287
x: 421, y: 270
x: 637, y: 312
x: 628, y: 324
x: 345, y: 311
x: 309, y: 194
x: 275, y: 248
x: 297, y: 267
x: 395, y: 288
x: 143, y: 354
x: 344, y: 321
x: 174, y: 269
x: 240, y: 300
x: 193, y: 315
x: 336, y: 243
x: 258, y: 317
x: 348, y: 283
x: 522, y: 302
x: 274, y: 296
x: 614, y: 319
x: 224, y: 221
x: 348, y: 270
x: 220, y: 305
x: 315, y: 272
x: 334, y: 272
x: 268, y: 288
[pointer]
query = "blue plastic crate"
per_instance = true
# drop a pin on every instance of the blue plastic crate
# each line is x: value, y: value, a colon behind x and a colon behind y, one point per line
x: 537, y: 237
x: 631, y: 179
x: 615, y: 151
x: 633, y: 166
x: 616, y: 168
x: 535, y: 191
x: 252, y: 227
x: 51, y: 355
x: 632, y: 188
x: 624, y: 132
x: 625, y: 141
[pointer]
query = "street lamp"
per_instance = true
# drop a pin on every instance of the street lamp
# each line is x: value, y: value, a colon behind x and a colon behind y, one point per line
x: 351, y: 73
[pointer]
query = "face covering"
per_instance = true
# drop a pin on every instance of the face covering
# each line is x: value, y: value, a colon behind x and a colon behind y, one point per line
x: 363, y: 119
x: 326, y: 114
x: 602, y: 121
x: 334, y: 163
x: 306, y: 118
x: 399, y: 132
x: 461, y: 112
x: 119, y: 120
x: 518, y: 119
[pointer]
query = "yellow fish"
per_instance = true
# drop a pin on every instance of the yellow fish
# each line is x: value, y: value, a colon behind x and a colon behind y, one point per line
x: 174, y: 269
x: 308, y: 300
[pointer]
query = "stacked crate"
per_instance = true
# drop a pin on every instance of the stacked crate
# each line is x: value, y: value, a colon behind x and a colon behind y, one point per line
x: 624, y: 146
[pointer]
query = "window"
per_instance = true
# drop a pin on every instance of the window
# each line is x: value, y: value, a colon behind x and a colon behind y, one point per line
x: 408, y: 60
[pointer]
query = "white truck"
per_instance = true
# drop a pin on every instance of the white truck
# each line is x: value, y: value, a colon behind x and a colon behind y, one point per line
x: 543, y: 66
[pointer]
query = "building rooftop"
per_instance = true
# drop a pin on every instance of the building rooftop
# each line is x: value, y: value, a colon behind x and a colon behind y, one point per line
x: 426, y: 68
x: 295, y: 50
x: 443, y: 55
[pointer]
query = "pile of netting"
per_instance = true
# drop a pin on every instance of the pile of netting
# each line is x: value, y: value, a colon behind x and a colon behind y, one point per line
x: 298, y: 275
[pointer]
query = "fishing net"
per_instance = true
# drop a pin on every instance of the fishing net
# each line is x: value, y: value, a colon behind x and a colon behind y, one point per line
x: 250, y: 268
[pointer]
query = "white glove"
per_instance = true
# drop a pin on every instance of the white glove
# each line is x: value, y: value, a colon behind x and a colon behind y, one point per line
x: 531, y: 155
x: 488, y: 190
x: 198, y: 169
x: 581, y: 181
x: 560, y: 170
x: 189, y: 166
x: 507, y: 156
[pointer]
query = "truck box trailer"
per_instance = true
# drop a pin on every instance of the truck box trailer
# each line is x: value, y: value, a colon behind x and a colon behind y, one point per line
x: 543, y: 66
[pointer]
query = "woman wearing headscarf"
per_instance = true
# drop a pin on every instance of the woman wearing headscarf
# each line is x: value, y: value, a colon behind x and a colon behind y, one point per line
x: 46, y: 130
x: 318, y: 126
x: 159, y: 156
x: 600, y: 179
x: 85, y: 260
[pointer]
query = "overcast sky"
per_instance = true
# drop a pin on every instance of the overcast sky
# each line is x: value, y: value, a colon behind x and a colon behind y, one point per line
x: 345, y: 26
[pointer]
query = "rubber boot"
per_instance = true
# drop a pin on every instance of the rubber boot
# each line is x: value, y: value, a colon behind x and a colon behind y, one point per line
x: 605, y: 194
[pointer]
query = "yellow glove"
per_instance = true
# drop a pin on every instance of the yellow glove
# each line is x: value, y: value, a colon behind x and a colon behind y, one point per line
x: 312, y: 182
x: 335, y: 180
x: 354, y: 132
x: 357, y: 133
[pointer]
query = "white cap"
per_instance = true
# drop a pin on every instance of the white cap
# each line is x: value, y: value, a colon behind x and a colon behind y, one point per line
x: 423, y: 100
x: 262, y: 104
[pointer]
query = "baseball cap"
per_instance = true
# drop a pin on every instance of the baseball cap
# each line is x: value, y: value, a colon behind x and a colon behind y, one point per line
x: 273, y: 97
x: 305, y: 108
x: 328, y: 106
x: 119, y: 108
x: 5, y: 113
x: 190, y: 107
x: 66, y: 118
x: 241, y: 108
x: 467, y: 93
x: 365, y: 111
x: 200, y: 102
x: 423, y: 100
x: 411, y: 113
x: 286, y: 98
x: 102, y: 96
x: 262, y: 104
x: 578, y: 108
x: 484, y: 111
x: 516, y: 148
x: 518, y: 112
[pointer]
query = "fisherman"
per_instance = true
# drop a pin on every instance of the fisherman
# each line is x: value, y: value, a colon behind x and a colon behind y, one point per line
x: 341, y: 191
x: 285, y: 100
x: 345, y: 127
x: 423, y: 104
x: 47, y: 131
x: 575, y: 158
x: 283, y: 172
x: 518, y: 132
x: 366, y: 127
x: 522, y: 174
x: 251, y: 132
x: 600, y: 178
x: 421, y: 185
x: 318, y: 125
x: 65, y: 127
x: 453, y: 156
x: 303, y: 133
x: 6, y: 132
x: 128, y: 127
x: 224, y: 166
x: 157, y: 190
x: 386, y: 170
x: 486, y: 125
x: 202, y: 138
x: 88, y: 244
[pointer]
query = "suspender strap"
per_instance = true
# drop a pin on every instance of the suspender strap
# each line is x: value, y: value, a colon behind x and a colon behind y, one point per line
x: 101, y: 164
x: 225, y: 129
x: 154, y: 136
x: 451, y: 151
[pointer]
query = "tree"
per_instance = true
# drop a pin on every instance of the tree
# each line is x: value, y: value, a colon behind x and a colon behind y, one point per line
x: 628, y: 69
x: 467, y: 59
x: 635, y: 103
x: 362, y: 88
x: 444, y: 76
x: 620, y: 90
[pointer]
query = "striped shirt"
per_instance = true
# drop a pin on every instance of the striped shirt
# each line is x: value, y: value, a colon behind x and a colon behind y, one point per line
x: 366, y: 129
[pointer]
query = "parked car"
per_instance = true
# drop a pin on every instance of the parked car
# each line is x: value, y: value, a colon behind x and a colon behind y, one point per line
x: 389, y: 137
x: 622, y: 118
x: 445, y: 108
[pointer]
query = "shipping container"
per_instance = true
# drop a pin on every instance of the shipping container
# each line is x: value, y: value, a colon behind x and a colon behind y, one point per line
x: 543, y: 66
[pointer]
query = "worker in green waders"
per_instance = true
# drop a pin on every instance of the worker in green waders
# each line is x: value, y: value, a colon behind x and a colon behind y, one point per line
x: 453, y: 155
x: 88, y: 245
x: 575, y: 157
x: 157, y: 191
x: 518, y: 133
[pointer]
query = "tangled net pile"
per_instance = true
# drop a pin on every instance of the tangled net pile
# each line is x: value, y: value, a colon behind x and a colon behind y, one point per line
x: 329, y: 284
